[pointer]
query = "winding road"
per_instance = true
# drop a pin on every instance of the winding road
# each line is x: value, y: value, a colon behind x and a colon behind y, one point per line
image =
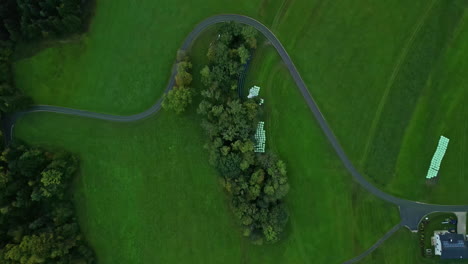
x: 410, y: 211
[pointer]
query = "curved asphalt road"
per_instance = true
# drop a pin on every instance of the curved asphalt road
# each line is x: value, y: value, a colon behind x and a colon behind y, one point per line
x: 411, y: 212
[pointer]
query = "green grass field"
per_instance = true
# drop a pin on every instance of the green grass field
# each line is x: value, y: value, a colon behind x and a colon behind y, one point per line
x: 146, y: 193
x: 424, y: 103
x: 403, y: 248
x: 389, y: 81
x: 134, y: 56
x: 387, y: 76
x: 440, y: 110
x: 123, y: 64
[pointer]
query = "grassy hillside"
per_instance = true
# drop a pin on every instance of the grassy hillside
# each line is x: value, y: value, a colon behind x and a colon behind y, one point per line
x: 146, y: 193
x: 123, y: 67
x: 440, y: 109
x: 422, y: 104
x: 123, y: 64
x: 389, y: 77
x: 378, y: 71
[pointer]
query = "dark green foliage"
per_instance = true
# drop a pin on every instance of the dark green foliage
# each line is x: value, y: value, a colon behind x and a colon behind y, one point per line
x: 48, y: 18
x: 9, y: 20
x: 255, y: 182
x: 30, y: 19
x: 37, y: 222
x: 180, y: 96
x: 10, y: 98
x: 177, y: 99
x: 34, y: 19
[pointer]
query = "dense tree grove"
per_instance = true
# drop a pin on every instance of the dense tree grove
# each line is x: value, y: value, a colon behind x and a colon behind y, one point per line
x: 37, y: 222
x: 256, y: 182
x: 180, y: 96
x: 11, y: 99
x: 23, y: 20
x: 34, y: 19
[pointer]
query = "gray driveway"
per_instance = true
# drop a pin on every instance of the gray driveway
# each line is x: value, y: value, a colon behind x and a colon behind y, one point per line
x: 461, y: 224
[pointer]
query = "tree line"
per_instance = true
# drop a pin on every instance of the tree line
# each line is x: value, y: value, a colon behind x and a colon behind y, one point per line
x: 37, y: 217
x: 180, y: 96
x: 11, y: 99
x: 255, y: 182
x: 27, y: 20
x: 36, y: 19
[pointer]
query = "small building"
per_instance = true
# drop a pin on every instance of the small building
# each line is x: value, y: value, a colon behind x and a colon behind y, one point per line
x: 453, y: 246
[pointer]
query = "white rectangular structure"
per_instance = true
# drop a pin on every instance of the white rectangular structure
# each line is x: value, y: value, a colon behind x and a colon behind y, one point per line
x: 260, y: 138
x: 253, y: 92
x: 437, y: 158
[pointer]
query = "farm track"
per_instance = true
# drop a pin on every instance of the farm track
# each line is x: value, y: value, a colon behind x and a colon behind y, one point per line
x: 410, y: 211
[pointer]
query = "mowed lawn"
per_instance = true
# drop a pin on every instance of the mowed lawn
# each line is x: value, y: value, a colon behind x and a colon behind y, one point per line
x: 403, y: 248
x: 387, y: 76
x: 146, y: 193
x: 389, y: 100
x: 123, y: 63
x: 440, y: 109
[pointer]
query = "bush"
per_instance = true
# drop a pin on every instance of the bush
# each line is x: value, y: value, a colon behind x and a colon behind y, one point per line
x: 180, y: 97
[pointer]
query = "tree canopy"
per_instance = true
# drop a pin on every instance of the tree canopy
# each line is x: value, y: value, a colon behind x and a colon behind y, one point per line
x: 27, y: 20
x: 180, y: 96
x: 255, y: 182
x: 37, y: 220
x: 35, y: 19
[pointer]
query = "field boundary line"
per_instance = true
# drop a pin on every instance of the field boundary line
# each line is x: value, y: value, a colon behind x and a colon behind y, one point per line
x: 280, y: 13
x: 375, y: 245
x: 391, y: 81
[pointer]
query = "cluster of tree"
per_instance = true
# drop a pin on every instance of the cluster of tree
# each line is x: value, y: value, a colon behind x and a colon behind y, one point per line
x: 37, y: 221
x: 180, y: 96
x: 256, y: 182
x: 34, y: 19
x: 11, y: 99
x: 26, y: 20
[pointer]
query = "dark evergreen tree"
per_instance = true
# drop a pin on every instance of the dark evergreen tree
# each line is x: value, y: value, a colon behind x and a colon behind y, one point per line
x: 37, y: 220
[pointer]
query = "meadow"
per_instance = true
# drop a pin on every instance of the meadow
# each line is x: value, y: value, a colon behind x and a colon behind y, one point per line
x: 439, y: 110
x: 387, y: 76
x: 146, y: 192
x: 403, y: 248
x: 123, y: 63
x: 425, y: 102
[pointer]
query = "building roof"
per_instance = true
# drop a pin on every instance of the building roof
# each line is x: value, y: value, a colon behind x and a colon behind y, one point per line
x: 454, y: 246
